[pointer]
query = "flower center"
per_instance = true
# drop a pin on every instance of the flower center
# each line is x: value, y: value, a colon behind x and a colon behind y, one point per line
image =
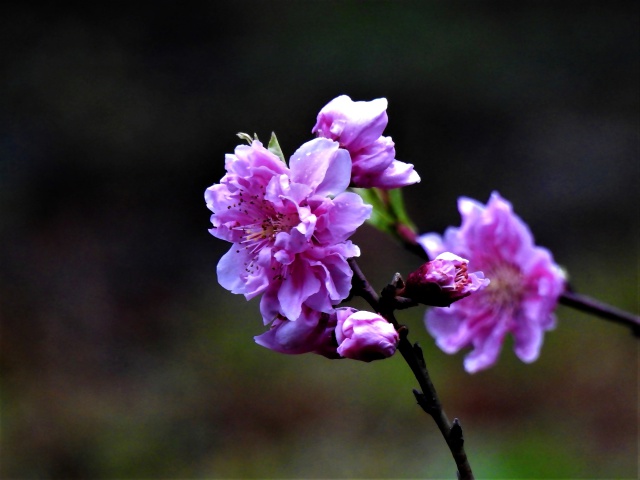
x: 263, y: 231
x: 506, y: 288
x: 262, y: 221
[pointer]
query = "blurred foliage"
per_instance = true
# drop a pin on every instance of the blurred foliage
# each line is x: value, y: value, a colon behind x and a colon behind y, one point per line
x: 121, y: 357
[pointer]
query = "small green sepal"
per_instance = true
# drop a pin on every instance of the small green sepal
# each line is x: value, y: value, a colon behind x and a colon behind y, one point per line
x: 246, y: 137
x: 274, y: 147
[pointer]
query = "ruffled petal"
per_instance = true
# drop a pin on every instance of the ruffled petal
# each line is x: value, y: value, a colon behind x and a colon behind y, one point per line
x: 354, y: 124
x: 306, y: 334
x: 339, y: 218
x: 397, y: 175
x: 321, y: 165
x: 240, y: 271
x: 298, y: 285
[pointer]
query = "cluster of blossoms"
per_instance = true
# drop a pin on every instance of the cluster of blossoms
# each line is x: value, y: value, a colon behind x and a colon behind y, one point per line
x: 290, y: 225
x: 290, y: 228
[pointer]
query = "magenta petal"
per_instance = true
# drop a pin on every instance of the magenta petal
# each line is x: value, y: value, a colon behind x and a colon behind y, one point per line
x: 321, y: 165
x: 528, y: 341
x: 398, y: 174
x: 293, y: 337
x: 354, y: 124
x: 254, y: 159
x: 487, y: 349
x: 341, y: 217
x: 375, y: 158
x: 298, y: 285
x: 336, y: 179
x: 230, y: 269
x: 444, y: 324
x: 269, y: 303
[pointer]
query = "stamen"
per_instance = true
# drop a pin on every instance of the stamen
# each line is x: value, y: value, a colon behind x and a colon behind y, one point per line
x: 506, y: 288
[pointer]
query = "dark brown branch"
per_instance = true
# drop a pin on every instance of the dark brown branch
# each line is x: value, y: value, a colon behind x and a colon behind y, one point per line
x: 427, y: 399
x: 608, y: 312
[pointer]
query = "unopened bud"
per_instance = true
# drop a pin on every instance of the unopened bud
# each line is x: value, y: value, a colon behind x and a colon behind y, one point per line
x: 443, y: 281
x: 364, y: 335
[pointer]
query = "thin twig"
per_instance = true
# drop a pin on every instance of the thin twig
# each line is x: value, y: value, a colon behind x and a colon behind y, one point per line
x: 427, y: 399
x: 595, y: 307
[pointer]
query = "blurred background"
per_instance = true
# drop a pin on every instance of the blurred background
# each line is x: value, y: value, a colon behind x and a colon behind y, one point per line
x: 122, y: 357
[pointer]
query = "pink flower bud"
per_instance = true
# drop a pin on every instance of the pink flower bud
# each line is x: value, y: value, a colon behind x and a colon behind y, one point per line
x: 364, y: 335
x: 443, y: 281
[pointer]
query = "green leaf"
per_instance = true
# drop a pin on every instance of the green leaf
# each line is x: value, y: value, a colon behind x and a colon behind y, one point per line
x: 274, y: 147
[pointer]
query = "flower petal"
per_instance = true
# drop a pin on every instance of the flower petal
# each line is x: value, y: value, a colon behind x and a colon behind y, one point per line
x: 321, y: 165
x: 396, y: 175
x: 354, y: 124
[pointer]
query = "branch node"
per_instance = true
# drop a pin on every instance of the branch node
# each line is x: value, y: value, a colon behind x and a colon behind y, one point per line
x: 397, y: 282
x: 456, y: 438
x: 420, y: 398
x: 403, y: 331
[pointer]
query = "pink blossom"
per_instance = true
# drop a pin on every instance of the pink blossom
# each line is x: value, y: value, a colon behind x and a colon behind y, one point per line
x: 289, y: 227
x: 443, y: 281
x: 364, y: 335
x: 313, y: 332
x: 358, y: 127
x: 521, y: 298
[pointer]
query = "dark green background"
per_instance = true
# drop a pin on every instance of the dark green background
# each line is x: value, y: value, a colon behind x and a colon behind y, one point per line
x: 121, y: 356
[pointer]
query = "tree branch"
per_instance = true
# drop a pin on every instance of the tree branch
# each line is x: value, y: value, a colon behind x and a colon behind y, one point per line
x: 427, y: 399
x: 602, y: 310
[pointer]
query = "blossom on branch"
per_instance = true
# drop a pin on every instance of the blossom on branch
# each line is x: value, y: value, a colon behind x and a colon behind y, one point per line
x: 443, y: 281
x: 343, y: 333
x: 365, y: 336
x: 289, y: 227
x: 358, y: 127
x: 521, y: 298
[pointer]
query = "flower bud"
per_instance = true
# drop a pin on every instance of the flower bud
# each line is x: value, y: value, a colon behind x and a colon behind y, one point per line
x: 443, y: 281
x: 364, y: 335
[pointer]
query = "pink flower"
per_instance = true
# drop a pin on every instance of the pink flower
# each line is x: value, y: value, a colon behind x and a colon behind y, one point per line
x: 521, y: 298
x: 289, y: 227
x: 443, y: 281
x: 364, y: 335
x: 358, y: 127
x: 313, y: 332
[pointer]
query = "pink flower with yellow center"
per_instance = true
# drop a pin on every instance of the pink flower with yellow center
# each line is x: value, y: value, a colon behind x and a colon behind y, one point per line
x: 525, y: 284
x: 289, y: 227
